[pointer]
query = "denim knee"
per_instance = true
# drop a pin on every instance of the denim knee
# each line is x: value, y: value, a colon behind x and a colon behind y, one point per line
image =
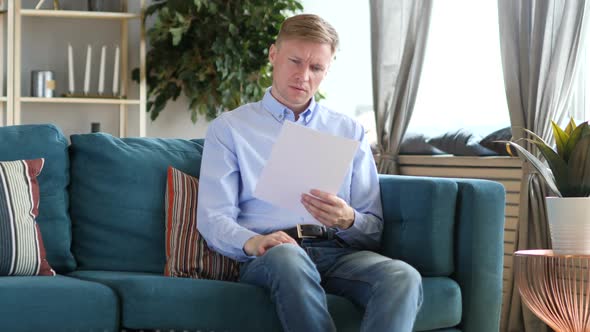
x: 288, y: 258
x: 400, y: 275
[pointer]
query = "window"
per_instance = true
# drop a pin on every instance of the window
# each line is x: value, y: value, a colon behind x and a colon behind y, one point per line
x: 348, y: 87
x: 462, y: 85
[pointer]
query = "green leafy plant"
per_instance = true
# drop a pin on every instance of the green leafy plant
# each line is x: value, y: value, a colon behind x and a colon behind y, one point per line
x: 568, y: 171
x: 213, y: 51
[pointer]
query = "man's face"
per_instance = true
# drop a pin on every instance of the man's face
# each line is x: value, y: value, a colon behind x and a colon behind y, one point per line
x: 299, y: 66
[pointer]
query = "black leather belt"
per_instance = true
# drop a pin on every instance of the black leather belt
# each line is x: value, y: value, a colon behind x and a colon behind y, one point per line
x: 310, y: 231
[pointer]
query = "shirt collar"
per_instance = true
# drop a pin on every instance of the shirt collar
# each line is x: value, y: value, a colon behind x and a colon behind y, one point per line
x: 280, y: 111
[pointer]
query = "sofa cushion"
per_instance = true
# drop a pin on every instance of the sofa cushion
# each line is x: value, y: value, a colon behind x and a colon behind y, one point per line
x: 491, y: 141
x: 46, y: 141
x: 22, y: 252
x: 460, y: 143
x: 442, y: 306
x: 56, y: 304
x: 415, y: 143
x: 117, y: 198
x: 419, y: 222
x: 187, y: 253
x: 150, y: 301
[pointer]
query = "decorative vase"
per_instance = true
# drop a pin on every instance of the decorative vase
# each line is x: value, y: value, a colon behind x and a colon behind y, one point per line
x: 569, y: 224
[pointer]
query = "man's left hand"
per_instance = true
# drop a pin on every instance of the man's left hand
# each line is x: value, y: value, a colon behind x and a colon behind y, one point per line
x: 329, y: 209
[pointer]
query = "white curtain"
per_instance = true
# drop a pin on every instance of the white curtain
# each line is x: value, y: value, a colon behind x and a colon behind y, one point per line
x: 399, y: 30
x: 540, y: 44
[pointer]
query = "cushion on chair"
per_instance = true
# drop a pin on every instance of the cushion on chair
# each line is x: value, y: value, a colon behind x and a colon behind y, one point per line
x: 491, y: 141
x: 56, y: 304
x: 28, y: 142
x: 187, y: 253
x: 117, y: 198
x: 151, y: 301
x: 419, y: 222
x: 460, y: 143
x: 416, y: 144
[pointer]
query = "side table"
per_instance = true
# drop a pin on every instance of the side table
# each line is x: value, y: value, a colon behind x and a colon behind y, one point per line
x: 555, y: 287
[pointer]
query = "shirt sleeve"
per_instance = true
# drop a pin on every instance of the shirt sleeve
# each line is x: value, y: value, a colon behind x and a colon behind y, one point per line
x: 365, y: 199
x: 218, y: 202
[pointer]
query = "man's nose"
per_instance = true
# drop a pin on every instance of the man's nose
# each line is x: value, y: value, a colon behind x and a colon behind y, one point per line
x: 303, y: 74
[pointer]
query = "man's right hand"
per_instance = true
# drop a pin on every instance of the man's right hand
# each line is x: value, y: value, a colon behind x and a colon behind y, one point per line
x: 259, y: 244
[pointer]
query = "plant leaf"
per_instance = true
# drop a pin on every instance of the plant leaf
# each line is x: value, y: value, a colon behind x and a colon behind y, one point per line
x: 557, y: 165
x: 579, y: 168
x: 538, y: 165
x: 176, y: 35
x: 220, y: 62
x: 561, y: 138
x: 570, y: 126
x: 575, y: 136
x: 535, y: 136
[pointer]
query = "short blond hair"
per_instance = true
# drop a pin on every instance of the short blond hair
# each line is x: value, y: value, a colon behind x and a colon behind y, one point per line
x: 309, y: 27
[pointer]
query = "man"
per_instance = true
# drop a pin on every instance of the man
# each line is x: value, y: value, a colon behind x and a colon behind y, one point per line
x: 299, y: 272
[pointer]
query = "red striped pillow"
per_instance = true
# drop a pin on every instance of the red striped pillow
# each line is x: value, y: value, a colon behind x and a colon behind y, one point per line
x: 187, y: 254
x: 21, y: 246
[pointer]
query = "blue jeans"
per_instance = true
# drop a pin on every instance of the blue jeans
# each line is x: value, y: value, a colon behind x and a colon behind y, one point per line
x: 299, y: 277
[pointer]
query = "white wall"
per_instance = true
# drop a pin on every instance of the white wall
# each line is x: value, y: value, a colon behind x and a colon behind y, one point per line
x: 348, y: 85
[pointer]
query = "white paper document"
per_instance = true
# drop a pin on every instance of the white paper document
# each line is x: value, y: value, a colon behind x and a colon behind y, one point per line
x: 303, y: 159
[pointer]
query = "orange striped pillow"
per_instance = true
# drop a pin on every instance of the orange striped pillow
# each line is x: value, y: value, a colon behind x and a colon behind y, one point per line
x: 187, y: 254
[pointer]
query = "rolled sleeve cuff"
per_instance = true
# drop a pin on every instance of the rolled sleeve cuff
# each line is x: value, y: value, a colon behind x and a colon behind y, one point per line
x: 240, y: 239
x: 361, y: 234
x: 354, y: 230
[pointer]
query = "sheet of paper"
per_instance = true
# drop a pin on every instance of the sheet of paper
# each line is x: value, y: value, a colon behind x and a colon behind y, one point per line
x: 303, y: 159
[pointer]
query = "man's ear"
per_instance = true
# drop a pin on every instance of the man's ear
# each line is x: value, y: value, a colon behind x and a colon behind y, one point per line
x: 272, y: 53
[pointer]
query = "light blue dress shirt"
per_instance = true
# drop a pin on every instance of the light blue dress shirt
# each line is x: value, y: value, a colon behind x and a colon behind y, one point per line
x: 238, y: 144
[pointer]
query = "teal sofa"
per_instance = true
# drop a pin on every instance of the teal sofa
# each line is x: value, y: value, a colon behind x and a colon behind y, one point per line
x: 101, y: 216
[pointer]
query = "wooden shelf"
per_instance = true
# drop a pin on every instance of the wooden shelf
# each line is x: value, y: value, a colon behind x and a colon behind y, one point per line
x: 63, y: 100
x: 16, y: 98
x: 79, y: 14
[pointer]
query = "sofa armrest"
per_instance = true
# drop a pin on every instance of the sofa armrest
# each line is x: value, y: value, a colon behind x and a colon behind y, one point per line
x: 480, y: 253
x: 453, y: 228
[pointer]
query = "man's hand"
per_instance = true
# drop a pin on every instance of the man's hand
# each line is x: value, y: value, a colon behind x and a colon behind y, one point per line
x: 329, y: 209
x: 259, y: 244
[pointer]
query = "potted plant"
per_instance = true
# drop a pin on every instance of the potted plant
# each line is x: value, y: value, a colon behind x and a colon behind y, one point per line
x: 567, y: 174
x: 212, y: 51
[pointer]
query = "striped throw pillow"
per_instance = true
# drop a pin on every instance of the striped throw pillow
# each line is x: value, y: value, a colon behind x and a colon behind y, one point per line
x: 21, y: 247
x: 187, y: 254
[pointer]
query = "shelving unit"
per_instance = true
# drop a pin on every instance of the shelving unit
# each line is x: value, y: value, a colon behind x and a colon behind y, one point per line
x: 15, y: 98
x: 3, y: 98
x: 60, y: 100
x: 79, y: 14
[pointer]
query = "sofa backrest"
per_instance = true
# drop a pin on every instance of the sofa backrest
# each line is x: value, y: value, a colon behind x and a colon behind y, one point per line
x: 117, y: 198
x: 420, y: 222
x: 46, y: 141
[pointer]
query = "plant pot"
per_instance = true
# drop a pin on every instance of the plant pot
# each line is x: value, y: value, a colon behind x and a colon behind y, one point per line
x: 569, y: 224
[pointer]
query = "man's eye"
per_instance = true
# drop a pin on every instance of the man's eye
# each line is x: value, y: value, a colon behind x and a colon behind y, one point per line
x: 295, y: 61
x: 317, y: 68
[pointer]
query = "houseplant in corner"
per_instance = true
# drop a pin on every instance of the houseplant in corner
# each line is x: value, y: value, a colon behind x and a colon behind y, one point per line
x: 212, y: 51
x: 567, y: 173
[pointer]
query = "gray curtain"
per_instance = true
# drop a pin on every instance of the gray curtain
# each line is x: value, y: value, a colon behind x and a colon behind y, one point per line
x: 399, y: 30
x: 540, y: 45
